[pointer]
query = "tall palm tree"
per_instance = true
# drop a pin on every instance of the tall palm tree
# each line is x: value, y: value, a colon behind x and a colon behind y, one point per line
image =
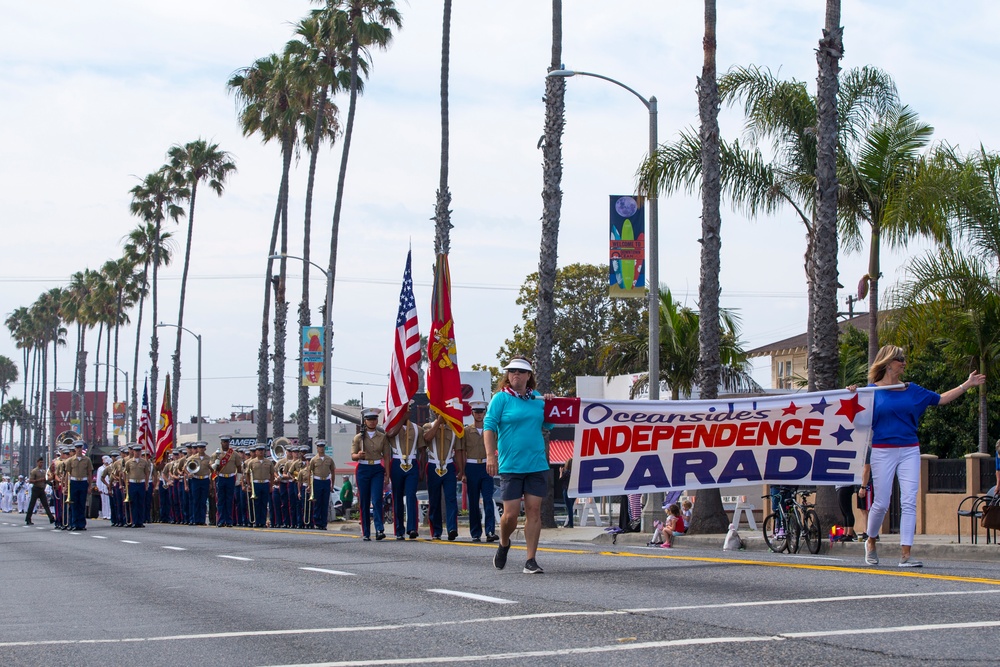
x: 141, y: 246
x: 19, y: 325
x: 555, y: 120
x: 46, y: 315
x: 154, y: 200
x: 370, y: 23
x: 442, y: 212
x: 189, y: 165
x: 8, y: 376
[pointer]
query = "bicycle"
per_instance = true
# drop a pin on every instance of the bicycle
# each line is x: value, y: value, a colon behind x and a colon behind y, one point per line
x: 795, y: 520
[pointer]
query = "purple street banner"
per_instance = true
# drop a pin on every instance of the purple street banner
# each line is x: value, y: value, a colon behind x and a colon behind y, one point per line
x: 312, y: 356
x: 627, y: 270
x: 807, y: 439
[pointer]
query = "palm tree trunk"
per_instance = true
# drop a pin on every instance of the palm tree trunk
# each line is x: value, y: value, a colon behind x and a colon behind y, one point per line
x: 94, y: 439
x: 442, y: 214
x: 280, y: 326
x: 154, y: 344
x: 175, y: 396
x: 135, y: 365
x: 873, y: 276
x: 709, y: 516
x: 81, y: 374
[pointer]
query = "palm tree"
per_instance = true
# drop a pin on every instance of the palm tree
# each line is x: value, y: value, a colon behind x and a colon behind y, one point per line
x: 12, y: 412
x: 442, y: 212
x: 679, y: 353
x: 142, y: 245
x: 555, y: 120
x: 46, y: 316
x: 189, y: 165
x: 370, y: 24
x: 19, y: 325
x: 153, y: 201
x: 8, y: 376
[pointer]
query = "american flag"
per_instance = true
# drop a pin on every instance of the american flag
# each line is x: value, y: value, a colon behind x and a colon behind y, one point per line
x: 404, y: 376
x: 145, y: 435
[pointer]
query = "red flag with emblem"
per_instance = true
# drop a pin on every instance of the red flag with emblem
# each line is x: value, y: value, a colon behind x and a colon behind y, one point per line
x: 444, y: 383
x: 165, y: 433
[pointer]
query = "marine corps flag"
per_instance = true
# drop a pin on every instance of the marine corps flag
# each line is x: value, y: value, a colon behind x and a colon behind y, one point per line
x: 165, y: 433
x: 444, y: 384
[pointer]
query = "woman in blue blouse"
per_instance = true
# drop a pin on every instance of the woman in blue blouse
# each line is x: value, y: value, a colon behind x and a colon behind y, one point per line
x: 515, y: 447
x: 895, y: 449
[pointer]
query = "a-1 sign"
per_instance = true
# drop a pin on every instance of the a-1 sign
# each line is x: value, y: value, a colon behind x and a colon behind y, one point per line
x: 562, y: 410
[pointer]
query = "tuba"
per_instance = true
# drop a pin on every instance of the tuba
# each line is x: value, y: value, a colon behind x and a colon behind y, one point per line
x: 67, y: 437
x: 192, y: 467
x: 278, y: 448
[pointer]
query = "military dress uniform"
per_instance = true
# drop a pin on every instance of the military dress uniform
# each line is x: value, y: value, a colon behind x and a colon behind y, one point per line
x: 36, y: 478
x: 261, y: 471
x: 320, y: 474
x: 241, y: 494
x: 79, y: 469
x: 279, y: 495
x: 198, y: 486
x: 291, y: 485
x: 137, y: 473
x: 227, y: 463
x: 57, y: 476
x: 404, y: 476
x: 478, y: 484
x: 441, y: 477
x: 371, y: 450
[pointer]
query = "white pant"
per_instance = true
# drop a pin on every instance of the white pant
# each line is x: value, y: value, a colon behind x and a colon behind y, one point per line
x: 105, y: 506
x: 904, y: 464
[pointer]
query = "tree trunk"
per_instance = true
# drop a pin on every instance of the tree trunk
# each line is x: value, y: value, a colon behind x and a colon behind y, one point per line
x: 135, y: 365
x: 175, y: 396
x: 709, y: 515
x: 95, y: 438
x: 873, y: 276
x: 442, y: 214
x: 280, y: 326
x: 154, y: 345
x: 824, y: 357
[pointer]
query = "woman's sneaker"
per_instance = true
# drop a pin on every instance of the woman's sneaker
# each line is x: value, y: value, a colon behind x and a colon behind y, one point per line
x: 909, y: 562
x: 871, y: 556
x: 531, y: 567
x: 500, y: 557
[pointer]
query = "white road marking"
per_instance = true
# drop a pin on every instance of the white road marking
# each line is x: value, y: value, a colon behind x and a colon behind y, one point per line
x: 319, y: 569
x: 471, y: 596
x: 513, y: 618
x: 130, y: 542
x: 234, y: 557
x: 42, y: 528
x: 174, y: 548
x: 99, y: 537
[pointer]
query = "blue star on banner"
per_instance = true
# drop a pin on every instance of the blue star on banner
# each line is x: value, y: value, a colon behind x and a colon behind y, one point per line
x: 843, y: 434
x: 820, y: 406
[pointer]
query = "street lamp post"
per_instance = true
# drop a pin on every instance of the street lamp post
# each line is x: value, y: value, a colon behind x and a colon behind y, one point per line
x: 327, y: 338
x: 654, y: 501
x: 653, y: 264
x: 161, y: 324
x: 120, y: 370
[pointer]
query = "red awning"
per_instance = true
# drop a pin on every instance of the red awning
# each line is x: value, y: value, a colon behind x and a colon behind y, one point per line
x: 560, y: 451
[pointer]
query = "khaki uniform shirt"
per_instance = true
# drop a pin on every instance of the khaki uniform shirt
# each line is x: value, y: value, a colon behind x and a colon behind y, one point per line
x: 37, y: 478
x: 472, y: 444
x: 407, y: 443
x: 80, y: 467
x: 261, y: 470
x: 375, y: 447
x: 233, y: 465
x: 320, y: 466
x: 203, y: 463
x: 442, y: 449
x: 137, y: 470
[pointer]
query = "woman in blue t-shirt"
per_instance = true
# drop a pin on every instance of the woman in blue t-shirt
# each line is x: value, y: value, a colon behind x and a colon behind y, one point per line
x: 895, y: 450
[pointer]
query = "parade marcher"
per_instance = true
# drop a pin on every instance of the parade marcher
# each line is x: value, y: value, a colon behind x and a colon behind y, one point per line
x: 151, y: 479
x: 441, y: 476
x: 406, y: 442
x: 102, y: 487
x: 106, y: 478
x: 225, y: 464
x: 371, y: 450
x: 471, y: 459
x: 261, y: 473
x: 279, y: 492
x: 137, y: 474
x: 80, y: 470
x: 321, y: 470
x: 295, y: 464
x: 6, y: 495
x: 242, y: 490
x: 36, y: 478
x: 57, y: 478
x: 303, y: 479
x: 198, y: 484
x: 22, y: 493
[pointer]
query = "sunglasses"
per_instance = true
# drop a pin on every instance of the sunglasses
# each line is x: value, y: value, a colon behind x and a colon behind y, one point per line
x: 900, y: 358
x: 518, y: 371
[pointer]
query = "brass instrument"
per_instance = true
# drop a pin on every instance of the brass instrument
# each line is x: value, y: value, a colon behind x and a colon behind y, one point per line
x: 128, y: 503
x: 192, y: 467
x: 251, y: 497
x: 307, y: 504
x: 67, y: 437
x: 278, y: 448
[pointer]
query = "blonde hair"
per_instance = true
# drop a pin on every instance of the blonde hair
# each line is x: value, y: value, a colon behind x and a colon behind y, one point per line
x: 885, y: 355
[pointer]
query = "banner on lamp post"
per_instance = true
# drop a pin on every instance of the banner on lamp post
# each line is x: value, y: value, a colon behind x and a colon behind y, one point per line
x: 313, y: 373
x: 627, y: 249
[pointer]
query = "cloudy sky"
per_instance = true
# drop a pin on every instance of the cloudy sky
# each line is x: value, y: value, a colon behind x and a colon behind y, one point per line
x: 95, y: 93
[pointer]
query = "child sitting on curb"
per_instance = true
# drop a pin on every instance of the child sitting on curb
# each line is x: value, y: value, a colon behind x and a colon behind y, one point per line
x: 673, y: 526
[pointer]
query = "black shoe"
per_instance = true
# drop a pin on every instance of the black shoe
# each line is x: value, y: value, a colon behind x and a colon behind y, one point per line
x: 531, y: 567
x: 51, y: 520
x: 366, y: 538
x: 28, y: 523
x: 400, y: 537
x: 500, y: 557
x: 492, y: 537
x: 435, y: 537
x: 413, y: 534
x: 380, y: 535
x: 452, y: 534
x: 476, y: 539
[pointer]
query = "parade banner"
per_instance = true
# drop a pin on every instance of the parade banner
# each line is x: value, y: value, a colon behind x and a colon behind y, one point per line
x: 444, y: 382
x: 809, y: 439
x: 118, y: 416
x: 312, y: 356
x: 626, y: 272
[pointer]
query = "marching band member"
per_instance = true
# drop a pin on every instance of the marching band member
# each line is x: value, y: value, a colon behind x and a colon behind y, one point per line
x: 261, y: 473
x: 303, y: 477
x: 36, y: 478
x: 242, y: 490
x: 57, y: 478
x: 163, y: 489
x: 321, y: 471
x: 407, y: 444
x: 441, y: 475
x: 151, y: 478
x: 137, y: 476
x: 291, y: 485
x: 279, y: 492
x: 371, y: 450
x: 225, y: 463
x: 471, y: 459
x: 198, y: 484
x: 79, y: 468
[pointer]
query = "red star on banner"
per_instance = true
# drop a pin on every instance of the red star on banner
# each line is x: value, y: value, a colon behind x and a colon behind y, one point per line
x: 850, y: 408
x: 790, y: 410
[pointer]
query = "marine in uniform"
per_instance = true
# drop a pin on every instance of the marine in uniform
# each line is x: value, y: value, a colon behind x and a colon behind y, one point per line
x: 225, y: 464
x: 57, y: 478
x: 151, y: 476
x: 290, y: 482
x: 407, y: 444
x: 371, y: 450
x: 137, y: 474
x: 36, y: 478
x: 79, y: 469
x: 279, y: 492
x: 321, y: 471
x: 198, y: 484
x: 441, y: 476
x: 471, y: 459
x: 242, y: 489
x: 261, y: 473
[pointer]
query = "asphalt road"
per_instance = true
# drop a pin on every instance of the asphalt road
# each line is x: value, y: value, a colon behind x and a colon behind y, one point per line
x: 173, y: 595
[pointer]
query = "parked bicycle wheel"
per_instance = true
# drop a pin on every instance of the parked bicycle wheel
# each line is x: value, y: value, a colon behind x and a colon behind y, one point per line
x: 812, y: 532
x: 775, y: 537
x: 794, y: 530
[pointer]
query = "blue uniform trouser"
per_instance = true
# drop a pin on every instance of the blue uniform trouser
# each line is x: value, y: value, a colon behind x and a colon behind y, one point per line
x: 435, y: 484
x: 294, y: 511
x: 78, y: 510
x: 116, y: 510
x: 240, y: 502
x: 164, y: 504
x: 263, y: 492
x: 137, y: 502
x: 404, y: 493
x: 370, y: 483
x: 58, y: 507
x: 321, y: 503
x: 199, y: 499
x: 149, y: 505
x: 479, y: 485
x: 225, y: 488
x: 185, y: 503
